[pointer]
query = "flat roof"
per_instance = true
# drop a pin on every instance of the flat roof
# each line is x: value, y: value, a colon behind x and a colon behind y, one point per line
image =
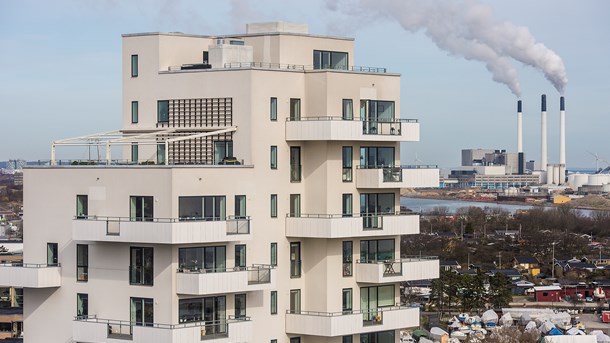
x: 547, y: 288
x: 242, y: 35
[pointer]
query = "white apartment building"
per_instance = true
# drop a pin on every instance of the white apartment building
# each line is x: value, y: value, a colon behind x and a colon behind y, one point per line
x: 257, y: 200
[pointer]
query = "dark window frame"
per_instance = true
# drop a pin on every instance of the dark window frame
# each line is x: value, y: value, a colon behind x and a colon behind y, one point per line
x: 273, y: 157
x: 135, y: 68
x: 134, y: 112
x: 273, y: 302
x: 162, y: 105
x: 141, y: 279
x: 82, y: 262
x: 273, y: 109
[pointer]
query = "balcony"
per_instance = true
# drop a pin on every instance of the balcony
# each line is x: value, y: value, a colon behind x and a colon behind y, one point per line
x: 339, y: 129
x: 333, y: 324
x: 418, y: 176
x: 93, y: 329
x: 161, y: 230
x: 356, y: 225
x: 406, y: 269
x: 30, y: 275
x: 200, y: 282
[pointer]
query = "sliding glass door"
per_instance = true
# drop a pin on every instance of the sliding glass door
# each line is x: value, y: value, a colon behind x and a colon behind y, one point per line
x: 141, y: 208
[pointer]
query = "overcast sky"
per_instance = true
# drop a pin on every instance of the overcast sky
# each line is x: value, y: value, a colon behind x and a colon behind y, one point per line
x: 60, y: 70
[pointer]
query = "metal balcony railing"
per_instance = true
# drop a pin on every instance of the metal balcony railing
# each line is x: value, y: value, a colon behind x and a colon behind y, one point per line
x: 394, y: 267
x: 300, y: 67
x: 369, y: 316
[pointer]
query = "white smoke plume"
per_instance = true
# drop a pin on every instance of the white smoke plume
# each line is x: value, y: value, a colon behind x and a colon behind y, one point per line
x: 469, y: 29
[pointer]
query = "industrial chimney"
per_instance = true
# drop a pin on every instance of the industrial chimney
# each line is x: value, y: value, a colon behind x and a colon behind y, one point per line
x: 562, y: 141
x: 521, y: 157
x: 543, y: 154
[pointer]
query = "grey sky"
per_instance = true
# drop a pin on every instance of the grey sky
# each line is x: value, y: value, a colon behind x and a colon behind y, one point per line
x: 61, y: 70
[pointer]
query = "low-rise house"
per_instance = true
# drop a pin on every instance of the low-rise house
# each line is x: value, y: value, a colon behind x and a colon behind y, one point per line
x: 527, y: 264
x: 512, y: 274
x: 450, y: 265
x: 547, y: 293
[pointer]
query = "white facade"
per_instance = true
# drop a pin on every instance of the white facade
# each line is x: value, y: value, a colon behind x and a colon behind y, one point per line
x: 166, y: 227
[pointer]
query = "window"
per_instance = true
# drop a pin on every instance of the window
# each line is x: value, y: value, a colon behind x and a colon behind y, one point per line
x: 163, y: 111
x: 134, y: 153
x: 371, y: 298
x: 273, y: 254
x: 295, y: 205
x: 206, y: 57
x: 348, y: 109
x: 329, y: 60
x: 52, y: 258
x: 295, y: 109
x: 376, y: 250
x: 134, y: 112
x: 82, y: 206
x: 222, y: 149
x: 346, y: 296
x: 295, y: 259
x: 374, y: 157
x: 273, y: 157
x: 134, y: 65
x: 347, y: 157
x: 273, y: 109
x: 347, y: 339
x: 142, y: 311
x: 82, y: 304
x: 141, y: 208
x: 273, y: 206
x: 82, y: 262
x: 295, y: 164
x: 161, y: 153
x: 18, y: 297
x: 295, y: 339
x: 348, y: 253
x: 240, y: 257
x: 211, y: 310
x: 347, y: 204
x: 295, y: 301
x: 377, y: 337
x: 373, y: 206
x: 207, y: 259
x: 141, y: 266
x: 273, y: 341
x: 240, y: 306
x: 240, y: 206
x: 377, y: 111
x: 210, y: 208
x: 273, y: 302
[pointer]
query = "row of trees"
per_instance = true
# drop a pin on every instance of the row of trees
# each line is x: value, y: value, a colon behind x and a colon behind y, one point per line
x: 468, y: 293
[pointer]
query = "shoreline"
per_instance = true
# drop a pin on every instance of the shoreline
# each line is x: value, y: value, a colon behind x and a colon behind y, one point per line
x: 517, y: 203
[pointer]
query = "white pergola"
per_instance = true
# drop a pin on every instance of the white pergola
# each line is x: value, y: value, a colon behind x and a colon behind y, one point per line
x: 119, y: 137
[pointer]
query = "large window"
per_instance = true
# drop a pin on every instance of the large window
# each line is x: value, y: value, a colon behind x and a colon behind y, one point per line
x: 377, y: 111
x: 163, y: 111
x: 82, y: 304
x: 208, y: 259
x: 273, y: 157
x: 240, y: 206
x: 240, y: 257
x: 295, y: 109
x: 273, y: 302
x: 141, y: 208
x: 377, y: 250
x: 240, y: 305
x: 347, y: 109
x: 222, y: 149
x: 134, y: 65
x: 295, y: 259
x: 295, y: 205
x: 347, y: 206
x: 141, y: 263
x: 82, y: 206
x: 346, y: 299
x: 207, y: 207
x: 347, y: 153
x: 348, y: 253
x: 273, y: 254
x: 295, y: 301
x: 273, y: 109
x: 347, y: 339
x: 134, y: 112
x: 376, y: 157
x: 161, y: 153
x: 142, y: 313
x: 295, y: 164
x: 273, y: 205
x: 329, y: 60
x: 376, y: 203
x: 211, y: 310
x: 52, y: 257
x: 372, y: 298
x: 82, y: 262
x: 377, y: 337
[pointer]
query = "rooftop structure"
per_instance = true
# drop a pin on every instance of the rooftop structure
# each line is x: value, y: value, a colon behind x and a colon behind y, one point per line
x: 251, y: 195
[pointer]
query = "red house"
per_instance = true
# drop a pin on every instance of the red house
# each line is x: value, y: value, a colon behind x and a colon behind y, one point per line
x: 547, y: 293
